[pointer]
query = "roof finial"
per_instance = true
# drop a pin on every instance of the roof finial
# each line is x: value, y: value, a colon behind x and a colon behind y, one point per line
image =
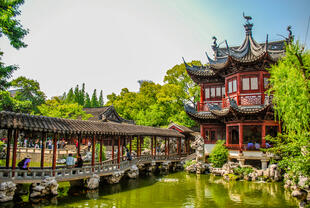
x: 228, y: 50
x: 214, y: 41
x: 290, y: 34
x: 248, y: 18
x: 248, y: 26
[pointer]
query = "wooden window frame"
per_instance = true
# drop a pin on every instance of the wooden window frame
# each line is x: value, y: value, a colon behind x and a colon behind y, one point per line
x: 250, y: 87
x: 232, y: 85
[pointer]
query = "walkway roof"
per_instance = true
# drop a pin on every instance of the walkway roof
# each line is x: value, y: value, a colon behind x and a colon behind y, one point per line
x: 69, y: 126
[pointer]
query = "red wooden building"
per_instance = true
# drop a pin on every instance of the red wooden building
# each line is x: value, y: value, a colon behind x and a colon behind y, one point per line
x: 234, y: 105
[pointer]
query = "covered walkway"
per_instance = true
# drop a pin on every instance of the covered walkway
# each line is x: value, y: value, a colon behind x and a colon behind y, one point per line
x: 19, y: 126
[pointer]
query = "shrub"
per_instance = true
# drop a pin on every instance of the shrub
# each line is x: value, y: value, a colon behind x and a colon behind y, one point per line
x: 243, y: 171
x: 98, y: 151
x: 189, y: 163
x: 219, y: 155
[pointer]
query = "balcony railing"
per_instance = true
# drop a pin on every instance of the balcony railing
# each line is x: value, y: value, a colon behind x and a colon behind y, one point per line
x: 241, y: 100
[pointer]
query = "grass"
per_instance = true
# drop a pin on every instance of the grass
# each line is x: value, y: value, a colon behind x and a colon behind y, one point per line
x: 32, y: 164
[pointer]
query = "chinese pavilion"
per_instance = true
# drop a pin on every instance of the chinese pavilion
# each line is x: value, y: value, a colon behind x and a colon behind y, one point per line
x: 234, y: 105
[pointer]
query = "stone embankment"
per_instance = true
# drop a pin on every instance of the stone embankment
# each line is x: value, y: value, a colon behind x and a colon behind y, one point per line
x: 46, y: 187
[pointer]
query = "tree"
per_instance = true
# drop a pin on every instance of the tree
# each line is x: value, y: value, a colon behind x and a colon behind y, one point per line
x: 13, y: 30
x: 219, y: 155
x: 87, y: 101
x: 290, y: 87
x: 94, y: 99
x: 29, y: 89
x: 101, y: 103
x: 70, y: 97
x: 9, y: 103
x: 158, y: 105
x: 56, y: 108
x: 177, y: 75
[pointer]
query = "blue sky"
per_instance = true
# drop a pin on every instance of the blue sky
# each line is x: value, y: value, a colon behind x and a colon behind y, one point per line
x: 110, y: 45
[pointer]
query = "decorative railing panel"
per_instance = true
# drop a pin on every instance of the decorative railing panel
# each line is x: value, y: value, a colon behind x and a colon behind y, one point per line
x: 62, y: 173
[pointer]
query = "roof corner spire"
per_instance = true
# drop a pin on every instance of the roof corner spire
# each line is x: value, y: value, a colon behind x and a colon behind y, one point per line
x: 248, y: 26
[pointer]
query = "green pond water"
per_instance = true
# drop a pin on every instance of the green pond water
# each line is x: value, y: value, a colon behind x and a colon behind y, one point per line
x: 175, y: 190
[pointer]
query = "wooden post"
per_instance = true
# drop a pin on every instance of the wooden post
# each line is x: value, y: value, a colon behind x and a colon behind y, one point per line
x: 8, y: 149
x: 130, y: 144
x: 16, y: 132
x: 93, y: 151
x: 155, y: 141
x: 118, y: 150
x: 227, y: 135
x: 122, y: 147
x: 263, y: 135
x: 241, y: 137
x: 112, y: 148
x: 152, y: 149
x: 165, y: 146
x: 168, y: 146
x: 54, y: 152
x: 79, y: 144
x: 138, y: 146
x: 44, y: 137
x: 180, y: 146
x: 100, y: 156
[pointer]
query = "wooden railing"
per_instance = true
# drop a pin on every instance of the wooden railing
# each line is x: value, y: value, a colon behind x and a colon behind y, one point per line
x: 246, y: 99
x: 62, y: 173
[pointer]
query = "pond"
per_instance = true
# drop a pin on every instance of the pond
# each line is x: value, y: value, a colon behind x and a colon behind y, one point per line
x: 175, y: 190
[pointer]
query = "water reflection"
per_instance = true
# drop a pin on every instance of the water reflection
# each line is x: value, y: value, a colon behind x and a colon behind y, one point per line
x: 179, y: 190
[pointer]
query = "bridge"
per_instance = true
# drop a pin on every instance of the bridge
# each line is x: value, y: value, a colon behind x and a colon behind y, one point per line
x: 62, y: 173
x: 19, y: 127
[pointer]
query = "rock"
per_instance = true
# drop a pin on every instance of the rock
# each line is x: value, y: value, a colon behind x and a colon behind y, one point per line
x: 93, y: 182
x: 133, y: 172
x: 115, y: 178
x: 303, y: 182
x: 300, y: 194
x: 7, y: 191
x: 48, y: 186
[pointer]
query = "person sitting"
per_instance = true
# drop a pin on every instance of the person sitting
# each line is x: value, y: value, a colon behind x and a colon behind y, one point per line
x: 268, y: 145
x: 257, y: 145
x: 250, y: 146
x: 70, y: 161
x: 79, y: 162
x: 25, y: 163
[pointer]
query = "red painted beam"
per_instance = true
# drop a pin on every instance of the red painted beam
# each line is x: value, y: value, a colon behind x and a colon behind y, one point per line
x: 44, y: 137
x: 8, y: 149
x: 16, y: 132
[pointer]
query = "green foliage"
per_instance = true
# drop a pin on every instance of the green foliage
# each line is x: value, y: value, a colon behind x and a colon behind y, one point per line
x: 100, y: 101
x: 94, y: 100
x: 9, y: 25
x: 5, y: 74
x: 243, y: 171
x: 290, y: 86
x: 8, y: 103
x: 158, y: 105
x: 29, y: 90
x: 82, y: 98
x: 189, y: 163
x: 13, y: 30
x: 87, y: 101
x: 219, y: 155
x: 103, y: 152
x: 57, y: 108
x: 2, y: 146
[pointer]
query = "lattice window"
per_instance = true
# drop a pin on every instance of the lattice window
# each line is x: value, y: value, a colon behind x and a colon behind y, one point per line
x: 254, y: 83
x: 207, y: 92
